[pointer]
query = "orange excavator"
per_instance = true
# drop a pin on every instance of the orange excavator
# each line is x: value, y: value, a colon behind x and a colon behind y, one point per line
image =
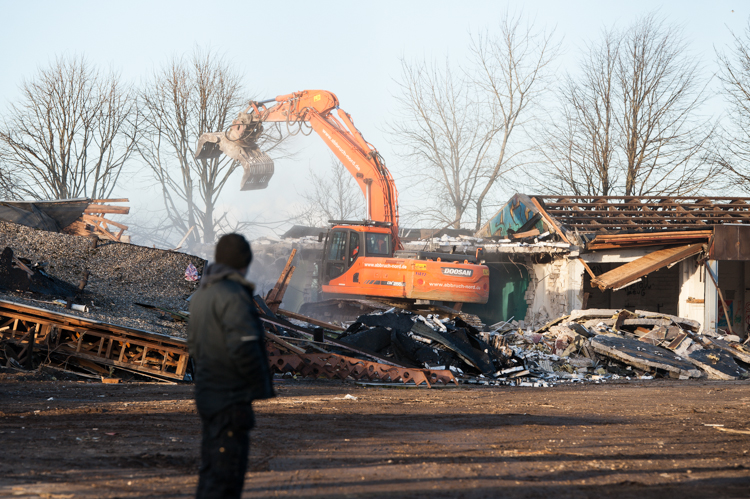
x: 365, y: 257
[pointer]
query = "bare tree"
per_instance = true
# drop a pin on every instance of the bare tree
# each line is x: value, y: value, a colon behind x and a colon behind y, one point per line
x: 631, y: 121
x: 70, y: 134
x: 456, y: 127
x: 331, y: 195
x: 184, y: 99
x: 512, y: 71
x: 735, y: 76
x: 661, y: 95
x: 446, y: 136
x: 580, y: 145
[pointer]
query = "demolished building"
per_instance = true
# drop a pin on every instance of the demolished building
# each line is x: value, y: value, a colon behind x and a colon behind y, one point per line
x: 549, y: 255
x: 684, y: 256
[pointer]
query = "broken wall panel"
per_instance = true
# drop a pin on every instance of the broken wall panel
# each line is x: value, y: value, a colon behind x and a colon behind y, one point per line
x: 644, y: 356
x: 731, y: 242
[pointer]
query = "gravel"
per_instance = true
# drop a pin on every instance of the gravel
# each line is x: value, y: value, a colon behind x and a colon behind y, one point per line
x: 120, y: 275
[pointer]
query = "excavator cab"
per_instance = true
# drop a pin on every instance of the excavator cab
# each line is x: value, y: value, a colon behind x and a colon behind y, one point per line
x: 345, y: 245
x: 342, y: 250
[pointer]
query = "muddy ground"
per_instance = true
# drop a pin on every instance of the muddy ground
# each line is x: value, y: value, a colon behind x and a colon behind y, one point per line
x: 63, y: 438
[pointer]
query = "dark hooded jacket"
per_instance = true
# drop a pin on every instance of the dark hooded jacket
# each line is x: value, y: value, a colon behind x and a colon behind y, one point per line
x: 226, y: 342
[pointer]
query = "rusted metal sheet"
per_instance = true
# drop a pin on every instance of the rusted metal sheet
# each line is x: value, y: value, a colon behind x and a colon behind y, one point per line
x: 731, y: 242
x: 331, y: 365
x: 108, y: 344
x: 632, y: 271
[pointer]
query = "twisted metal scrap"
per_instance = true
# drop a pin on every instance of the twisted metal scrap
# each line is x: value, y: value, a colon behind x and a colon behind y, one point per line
x: 331, y: 365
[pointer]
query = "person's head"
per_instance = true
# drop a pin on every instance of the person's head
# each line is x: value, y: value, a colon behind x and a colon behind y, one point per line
x: 233, y: 250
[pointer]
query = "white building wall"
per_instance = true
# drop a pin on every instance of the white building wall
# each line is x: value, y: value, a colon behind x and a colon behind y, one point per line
x: 555, y: 289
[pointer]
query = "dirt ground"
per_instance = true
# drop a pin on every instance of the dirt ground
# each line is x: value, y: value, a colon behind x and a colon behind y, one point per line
x: 63, y: 438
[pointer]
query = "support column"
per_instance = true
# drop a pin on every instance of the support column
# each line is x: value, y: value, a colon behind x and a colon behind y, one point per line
x: 711, y: 296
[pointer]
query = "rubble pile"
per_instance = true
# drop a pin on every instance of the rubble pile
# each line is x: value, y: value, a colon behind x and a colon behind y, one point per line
x: 117, y: 276
x: 588, y: 345
x: 605, y: 344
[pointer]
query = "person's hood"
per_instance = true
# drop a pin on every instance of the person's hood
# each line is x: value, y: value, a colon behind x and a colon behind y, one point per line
x: 216, y: 272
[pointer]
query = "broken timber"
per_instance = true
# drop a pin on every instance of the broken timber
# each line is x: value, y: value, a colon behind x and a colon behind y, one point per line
x: 75, y: 337
x: 631, y: 272
x: 276, y: 295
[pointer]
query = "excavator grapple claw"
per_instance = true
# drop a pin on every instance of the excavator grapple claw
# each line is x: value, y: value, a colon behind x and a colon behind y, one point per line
x: 257, y: 165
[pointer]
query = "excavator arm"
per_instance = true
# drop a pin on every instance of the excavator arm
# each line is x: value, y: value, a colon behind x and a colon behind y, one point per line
x: 314, y: 107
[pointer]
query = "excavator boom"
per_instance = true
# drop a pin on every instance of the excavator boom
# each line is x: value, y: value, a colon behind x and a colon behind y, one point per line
x: 359, y: 257
x: 315, y: 108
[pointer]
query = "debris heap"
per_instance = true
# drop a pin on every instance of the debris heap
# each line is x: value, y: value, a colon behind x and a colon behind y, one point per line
x: 117, y: 277
x: 593, y: 345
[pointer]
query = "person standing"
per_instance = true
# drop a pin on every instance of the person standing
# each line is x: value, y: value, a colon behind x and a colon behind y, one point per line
x: 227, y: 344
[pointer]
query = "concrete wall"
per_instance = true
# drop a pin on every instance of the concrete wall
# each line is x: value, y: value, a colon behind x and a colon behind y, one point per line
x: 555, y: 288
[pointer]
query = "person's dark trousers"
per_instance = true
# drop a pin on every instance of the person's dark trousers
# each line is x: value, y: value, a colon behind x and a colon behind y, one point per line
x: 224, y: 450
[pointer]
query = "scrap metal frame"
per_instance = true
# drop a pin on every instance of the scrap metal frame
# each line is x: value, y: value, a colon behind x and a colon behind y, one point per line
x: 103, y: 343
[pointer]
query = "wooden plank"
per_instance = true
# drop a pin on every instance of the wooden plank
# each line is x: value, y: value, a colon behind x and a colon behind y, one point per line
x: 549, y: 219
x: 721, y: 297
x: 284, y: 344
x: 528, y: 233
x: 276, y: 302
x: 93, y: 218
x: 309, y: 320
x: 652, y: 235
x: 103, y: 208
x: 271, y: 296
x: 632, y: 271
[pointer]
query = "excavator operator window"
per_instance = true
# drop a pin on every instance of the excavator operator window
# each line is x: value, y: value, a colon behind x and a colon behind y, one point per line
x: 378, y: 244
x: 336, y: 259
x: 337, y: 249
x: 353, y: 247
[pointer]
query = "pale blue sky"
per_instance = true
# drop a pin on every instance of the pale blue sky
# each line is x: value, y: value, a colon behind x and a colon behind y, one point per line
x: 350, y: 48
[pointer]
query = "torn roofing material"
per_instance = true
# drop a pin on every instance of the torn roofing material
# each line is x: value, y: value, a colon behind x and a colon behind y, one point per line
x: 45, y: 215
x: 632, y: 271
